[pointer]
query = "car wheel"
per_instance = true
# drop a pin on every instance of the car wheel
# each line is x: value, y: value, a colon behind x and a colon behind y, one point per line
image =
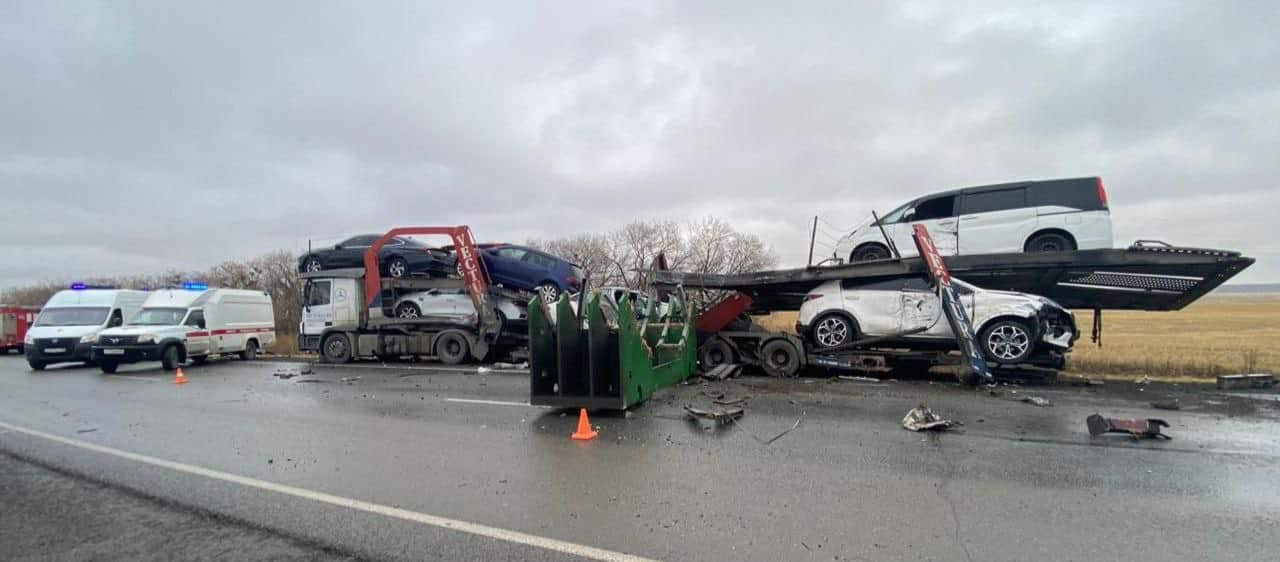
x: 312, y: 265
x: 780, y: 358
x: 1006, y: 341
x: 169, y: 358
x: 108, y: 367
x: 397, y: 268
x: 714, y: 353
x: 250, y: 351
x: 1050, y: 242
x: 408, y: 310
x: 37, y: 366
x: 869, y: 252
x: 451, y: 348
x: 336, y: 348
x: 832, y: 330
x: 549, y: 291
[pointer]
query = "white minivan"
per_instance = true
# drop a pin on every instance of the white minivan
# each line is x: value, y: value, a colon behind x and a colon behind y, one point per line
x: 1031, y: 216
x: 71, y: 320
x: 194, y: 323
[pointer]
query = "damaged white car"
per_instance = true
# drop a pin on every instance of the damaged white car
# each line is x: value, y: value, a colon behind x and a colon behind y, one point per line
x: 905, y: 311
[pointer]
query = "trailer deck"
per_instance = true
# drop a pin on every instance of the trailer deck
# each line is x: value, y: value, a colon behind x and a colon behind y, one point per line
x: 1145, y: 276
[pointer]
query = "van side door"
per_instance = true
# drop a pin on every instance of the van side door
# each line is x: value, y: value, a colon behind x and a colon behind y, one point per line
x: 198, y: 338
x: 938, y: 214
x: 996, y: 221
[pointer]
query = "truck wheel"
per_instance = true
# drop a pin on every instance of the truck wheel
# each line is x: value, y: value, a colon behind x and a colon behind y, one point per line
x: 1006, y: 341
x: 714, y: 353
x: 870, y: 252
x: 108, y: 367
x: 780, y: 358
x: 250, y: 351
x: 169, y: 359
x: 451, y: 348
x: 336, y: 348
x: 397, y: 268
x: 36, y: 365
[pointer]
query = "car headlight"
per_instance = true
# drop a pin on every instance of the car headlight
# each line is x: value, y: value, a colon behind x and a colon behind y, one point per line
x: 28, y: 339
x: 89, y: 338
x: 147, y: 338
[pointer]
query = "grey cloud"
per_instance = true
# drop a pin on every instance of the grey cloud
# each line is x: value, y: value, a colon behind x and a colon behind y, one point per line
x: 241, y: 129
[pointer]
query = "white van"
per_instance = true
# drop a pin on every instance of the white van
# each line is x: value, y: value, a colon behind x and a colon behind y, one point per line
x: 71, y: 320
x: 1031, y: 216
x: 190, y: 323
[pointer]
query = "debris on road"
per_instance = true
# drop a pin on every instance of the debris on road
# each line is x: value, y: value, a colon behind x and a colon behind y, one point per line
x: 857, y: 379
x: 1167, y: 405
x: 89, y: 430
x: 722, y: 372
x: 484, y: 370
x: 504, y: 365
x: 1145, y: 380
x: 1087, y: 382
x: 284, y: 375
x: 349, y: 380
x: 719, y: 416
x: 1229, y: 382
x: 730, y: 401
x: 1149, y: 427
x: 1036, y: 400
x: 921, y: 418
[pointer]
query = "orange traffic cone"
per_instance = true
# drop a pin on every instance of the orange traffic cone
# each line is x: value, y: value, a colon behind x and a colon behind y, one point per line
x: 179, y: 378
x: 584, y: 433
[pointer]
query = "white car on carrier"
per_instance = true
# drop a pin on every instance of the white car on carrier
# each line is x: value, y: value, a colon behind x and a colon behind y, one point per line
x: 905, y: 311
x: 1031, y: 216
x: 194, y: 323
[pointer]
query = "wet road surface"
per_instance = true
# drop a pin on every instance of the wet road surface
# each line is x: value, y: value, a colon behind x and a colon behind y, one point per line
x: 397, y: 461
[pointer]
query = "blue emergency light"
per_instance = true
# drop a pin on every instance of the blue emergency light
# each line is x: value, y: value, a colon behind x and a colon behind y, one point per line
x: 78, y: 286
x: 195, y: 286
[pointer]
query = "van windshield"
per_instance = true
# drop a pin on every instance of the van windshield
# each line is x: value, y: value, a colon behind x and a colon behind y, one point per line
x: 73, y: 316
x: 159, y: 317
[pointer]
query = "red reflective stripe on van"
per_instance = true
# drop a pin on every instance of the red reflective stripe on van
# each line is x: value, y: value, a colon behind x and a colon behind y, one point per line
x: 242, y: 331
x: 197, y: 334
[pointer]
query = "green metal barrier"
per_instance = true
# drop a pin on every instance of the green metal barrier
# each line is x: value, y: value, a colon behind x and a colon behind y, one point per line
x: 597, y: 367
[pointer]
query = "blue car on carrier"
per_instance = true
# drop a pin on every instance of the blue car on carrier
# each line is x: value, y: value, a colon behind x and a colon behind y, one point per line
x: 525, y: 268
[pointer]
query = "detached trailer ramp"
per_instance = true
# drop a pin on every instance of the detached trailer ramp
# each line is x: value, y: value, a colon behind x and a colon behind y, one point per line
x: 1145, y: 276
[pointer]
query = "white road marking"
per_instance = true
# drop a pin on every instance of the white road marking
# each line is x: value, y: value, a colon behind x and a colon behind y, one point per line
x: 517, y: 537
x: 493, y: 402
x: 135, y: 378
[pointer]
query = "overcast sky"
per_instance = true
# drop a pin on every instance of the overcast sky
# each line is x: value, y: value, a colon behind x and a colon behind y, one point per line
x: 144, y: 136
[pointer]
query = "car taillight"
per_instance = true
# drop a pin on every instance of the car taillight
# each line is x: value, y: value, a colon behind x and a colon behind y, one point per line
x: 813, y: 296
x: 572, y: 280
x: 1102, y: 193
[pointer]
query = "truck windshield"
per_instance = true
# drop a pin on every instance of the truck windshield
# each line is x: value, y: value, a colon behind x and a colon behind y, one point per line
x: 159, y: 317
x: 73, y: 316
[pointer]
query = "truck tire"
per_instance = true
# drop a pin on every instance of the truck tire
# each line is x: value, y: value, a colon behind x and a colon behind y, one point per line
x: 780, y: 358
x: 336, y: 348
x: 714, y: 353
x: 250, y: 351
x: 108, y: 367
x: 1007, y: 341
x: 451, y: 348
x: 170, y: 359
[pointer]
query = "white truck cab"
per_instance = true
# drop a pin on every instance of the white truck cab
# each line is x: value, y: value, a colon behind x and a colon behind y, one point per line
x: 194, y: 323
x: 71, y: 321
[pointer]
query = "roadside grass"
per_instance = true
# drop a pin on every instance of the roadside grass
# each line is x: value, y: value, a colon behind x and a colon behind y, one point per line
x: 1217, y: 335
x: 286, y: 345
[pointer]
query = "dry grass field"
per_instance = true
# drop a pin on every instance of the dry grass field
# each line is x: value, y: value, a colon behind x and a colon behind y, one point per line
x: 1216, y: 335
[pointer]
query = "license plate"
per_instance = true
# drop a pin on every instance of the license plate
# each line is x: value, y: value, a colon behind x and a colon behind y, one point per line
x: 113, y: 352
x: 55, y: 350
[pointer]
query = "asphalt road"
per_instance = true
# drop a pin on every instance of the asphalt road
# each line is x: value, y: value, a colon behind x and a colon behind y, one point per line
x: 426, y: 463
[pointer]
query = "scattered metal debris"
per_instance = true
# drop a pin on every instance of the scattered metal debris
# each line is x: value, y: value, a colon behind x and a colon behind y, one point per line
x: 857, y: 379
x: 775, y: 437
x: 1145, y: 380
x: 311, y: 380
x: 89, y: 430
x: 349, y: 380
x: 306, y: 369
x: 484, y: 370
x: 503, y: 365
x: 730, y: 401
x: 1149, y: 427
x: 921, y: 418
x: 1167, y: 405
x: 1036, y: 400
x: 712, y: 394
x: 719, y: 416
x: 1087, y: 382
x: 284, y: 375
x: 1228, y: 382
x: 722, y: 372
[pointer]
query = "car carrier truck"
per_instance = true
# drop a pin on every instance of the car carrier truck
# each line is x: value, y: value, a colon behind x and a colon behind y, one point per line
x: 349, y: 313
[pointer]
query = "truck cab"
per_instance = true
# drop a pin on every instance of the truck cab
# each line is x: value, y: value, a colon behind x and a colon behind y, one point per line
x: 330, y: 302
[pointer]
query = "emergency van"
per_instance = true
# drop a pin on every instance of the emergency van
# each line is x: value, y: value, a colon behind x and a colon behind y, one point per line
x: 70, y: 322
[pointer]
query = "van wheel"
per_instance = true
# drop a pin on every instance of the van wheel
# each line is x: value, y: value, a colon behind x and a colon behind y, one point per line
x: 108, y: 367
x: 170, y: 360
x: 780, y: 358
x: 336, y: 348
x: 1007, y: 341
x: 1050, y: 242
x: 451, y: 348
x: 250, y: 351
x: 869, y: 252
x: 37, y: 366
